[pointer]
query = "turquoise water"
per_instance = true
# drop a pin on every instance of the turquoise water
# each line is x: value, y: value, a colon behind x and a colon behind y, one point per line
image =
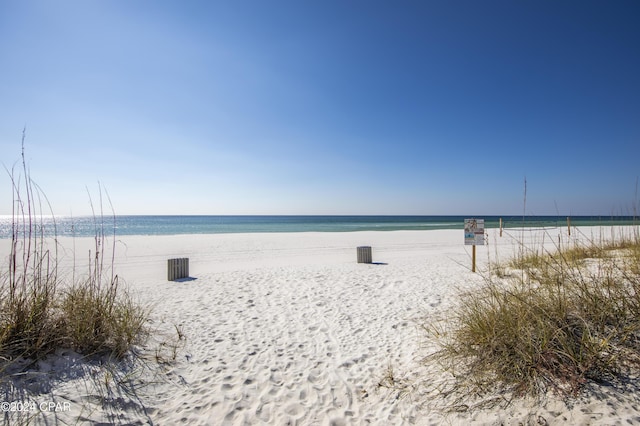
x: 175, y: 225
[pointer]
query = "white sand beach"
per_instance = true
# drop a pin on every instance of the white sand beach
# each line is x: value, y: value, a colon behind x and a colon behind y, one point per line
x: 288, y: 329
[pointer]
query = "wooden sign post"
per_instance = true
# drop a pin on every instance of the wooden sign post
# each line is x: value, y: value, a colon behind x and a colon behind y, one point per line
x: 473, y: 259
x: 474, y: 236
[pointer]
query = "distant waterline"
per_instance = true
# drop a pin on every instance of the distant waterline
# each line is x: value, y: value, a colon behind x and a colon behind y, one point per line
x: 176, y: 225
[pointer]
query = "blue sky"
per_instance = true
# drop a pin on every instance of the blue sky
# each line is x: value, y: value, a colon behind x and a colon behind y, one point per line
x: 324, y: 107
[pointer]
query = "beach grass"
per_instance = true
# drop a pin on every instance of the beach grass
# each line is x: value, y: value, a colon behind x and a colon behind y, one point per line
x: 42, y: 309
x: 551, y: 320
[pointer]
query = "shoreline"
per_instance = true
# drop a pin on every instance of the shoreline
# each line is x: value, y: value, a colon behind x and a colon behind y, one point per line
x: 86, y: 226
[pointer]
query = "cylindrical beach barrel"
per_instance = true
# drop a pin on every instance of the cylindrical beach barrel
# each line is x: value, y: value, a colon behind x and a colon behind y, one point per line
x: 178, y: 268
x: 364, y: 254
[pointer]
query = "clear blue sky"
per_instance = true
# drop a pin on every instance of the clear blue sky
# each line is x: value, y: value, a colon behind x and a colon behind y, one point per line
x: 324, y: 107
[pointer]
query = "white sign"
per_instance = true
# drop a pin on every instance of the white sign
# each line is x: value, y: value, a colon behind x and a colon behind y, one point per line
x: 474, y: 232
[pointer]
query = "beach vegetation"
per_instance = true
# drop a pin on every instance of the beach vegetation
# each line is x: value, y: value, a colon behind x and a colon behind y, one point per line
x: 42, y: 308
x: 569, y: 316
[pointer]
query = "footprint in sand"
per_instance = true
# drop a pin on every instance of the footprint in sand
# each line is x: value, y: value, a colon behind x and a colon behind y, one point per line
x: 264, y: 412
x: 437, y: 302
x: 295, y: 410
x: 337, y: 422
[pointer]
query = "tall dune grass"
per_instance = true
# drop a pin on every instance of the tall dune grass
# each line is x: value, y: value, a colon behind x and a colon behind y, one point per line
x: 560, y: 319
x: 40, y: 311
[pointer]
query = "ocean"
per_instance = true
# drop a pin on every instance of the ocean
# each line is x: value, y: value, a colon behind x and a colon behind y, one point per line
x: 175, y: 225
